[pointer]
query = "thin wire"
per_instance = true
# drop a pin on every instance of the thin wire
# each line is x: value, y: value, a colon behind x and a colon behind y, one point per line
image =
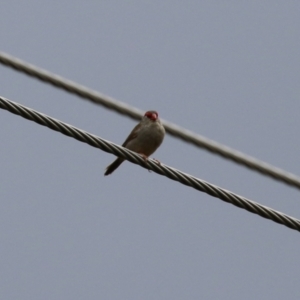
x: 161, y: 169
x: 134, y: 113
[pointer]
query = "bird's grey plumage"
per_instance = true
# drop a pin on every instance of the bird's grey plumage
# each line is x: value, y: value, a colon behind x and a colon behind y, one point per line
x: 144, y: 139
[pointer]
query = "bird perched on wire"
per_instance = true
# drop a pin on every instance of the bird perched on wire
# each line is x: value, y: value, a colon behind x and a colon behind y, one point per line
x: 144, y: 139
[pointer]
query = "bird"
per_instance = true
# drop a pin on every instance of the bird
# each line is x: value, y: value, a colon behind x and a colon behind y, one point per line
x: 144, y: 138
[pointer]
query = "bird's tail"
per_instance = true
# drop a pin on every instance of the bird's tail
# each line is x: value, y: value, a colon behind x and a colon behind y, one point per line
x: 113, y: 166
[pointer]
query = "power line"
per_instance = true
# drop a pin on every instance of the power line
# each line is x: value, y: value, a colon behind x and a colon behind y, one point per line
x: 174, y: 130
x: 161, y: 169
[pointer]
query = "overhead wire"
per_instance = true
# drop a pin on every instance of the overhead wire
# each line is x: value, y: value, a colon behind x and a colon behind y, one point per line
x: 158, y: 168
x: 134, y: 113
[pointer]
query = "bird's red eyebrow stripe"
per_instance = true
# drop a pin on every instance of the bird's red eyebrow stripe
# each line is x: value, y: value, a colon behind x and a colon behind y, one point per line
x: 151, y: 115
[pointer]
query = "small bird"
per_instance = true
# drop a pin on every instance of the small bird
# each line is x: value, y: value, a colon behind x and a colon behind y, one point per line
x: 144, y: 139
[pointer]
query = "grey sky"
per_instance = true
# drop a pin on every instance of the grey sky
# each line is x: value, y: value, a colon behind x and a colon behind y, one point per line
x: 229, y: 70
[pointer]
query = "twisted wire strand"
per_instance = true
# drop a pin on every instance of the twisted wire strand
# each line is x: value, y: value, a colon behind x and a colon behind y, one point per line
x: 174, y: 130
x: 161, y: 169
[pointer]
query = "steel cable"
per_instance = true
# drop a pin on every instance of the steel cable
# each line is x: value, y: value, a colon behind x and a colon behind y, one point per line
x: 172, y: 129
x: 161, y: 169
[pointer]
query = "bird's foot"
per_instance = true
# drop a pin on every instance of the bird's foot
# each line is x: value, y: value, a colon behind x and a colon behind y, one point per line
x: 157, y: 161
x: 145, y: 157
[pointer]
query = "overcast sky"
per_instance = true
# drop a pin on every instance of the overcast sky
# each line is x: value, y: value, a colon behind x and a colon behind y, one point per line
x: 228, y: 70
